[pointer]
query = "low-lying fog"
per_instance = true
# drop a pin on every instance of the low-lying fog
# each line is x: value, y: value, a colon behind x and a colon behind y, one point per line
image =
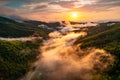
x: 60, y: 59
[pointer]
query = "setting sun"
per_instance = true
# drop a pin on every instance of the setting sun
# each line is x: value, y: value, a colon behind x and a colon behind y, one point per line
x: 74, y: 15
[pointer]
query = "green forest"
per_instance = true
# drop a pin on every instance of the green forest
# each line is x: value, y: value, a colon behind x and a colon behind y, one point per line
x: 10, y: 28
x: 16, y: 57
x: 107, y: 38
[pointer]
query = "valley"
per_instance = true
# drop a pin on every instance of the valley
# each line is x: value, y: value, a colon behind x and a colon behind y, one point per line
x: 63, y: 53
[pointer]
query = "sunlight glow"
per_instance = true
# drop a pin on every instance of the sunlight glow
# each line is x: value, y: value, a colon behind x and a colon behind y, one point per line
x: 74, y: 15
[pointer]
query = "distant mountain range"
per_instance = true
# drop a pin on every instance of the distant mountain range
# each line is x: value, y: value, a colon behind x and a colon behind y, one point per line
x: 11, y: 28
x: 24, y: 28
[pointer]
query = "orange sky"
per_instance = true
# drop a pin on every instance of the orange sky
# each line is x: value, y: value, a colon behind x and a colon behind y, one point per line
x: 52, y: 10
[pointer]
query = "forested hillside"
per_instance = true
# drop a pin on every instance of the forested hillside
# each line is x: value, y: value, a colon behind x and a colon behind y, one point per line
x: 107, y: 38
x: 16, y: 57
x: 11, y: 28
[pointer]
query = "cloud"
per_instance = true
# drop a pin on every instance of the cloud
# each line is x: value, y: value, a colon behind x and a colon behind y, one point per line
x: 43, y: 7
x: 33, y: 6
x: 60, y: 59
x: 2, y: 3
x: 100, y: 5
x: 65, y: 4
x: 7, y: 11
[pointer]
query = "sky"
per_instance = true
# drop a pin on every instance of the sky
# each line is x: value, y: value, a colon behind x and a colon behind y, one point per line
x: 57, y: 10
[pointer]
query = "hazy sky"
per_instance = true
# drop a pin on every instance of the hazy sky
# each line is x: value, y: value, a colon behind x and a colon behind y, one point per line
x: 86, y: 10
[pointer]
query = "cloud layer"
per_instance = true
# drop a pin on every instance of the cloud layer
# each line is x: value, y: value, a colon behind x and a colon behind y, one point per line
x: 27, y: 7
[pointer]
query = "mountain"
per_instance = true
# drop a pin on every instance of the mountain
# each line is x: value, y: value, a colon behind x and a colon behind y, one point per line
x: 35, y: 23
x: 47, y: 25
x: 105, y: 37
x: 11, y: 28
x: 4, y: 19
x: 97, y: 36
x: 16, y: 57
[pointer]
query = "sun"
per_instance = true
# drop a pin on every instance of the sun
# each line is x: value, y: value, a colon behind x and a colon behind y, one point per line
x: 74, y: 15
